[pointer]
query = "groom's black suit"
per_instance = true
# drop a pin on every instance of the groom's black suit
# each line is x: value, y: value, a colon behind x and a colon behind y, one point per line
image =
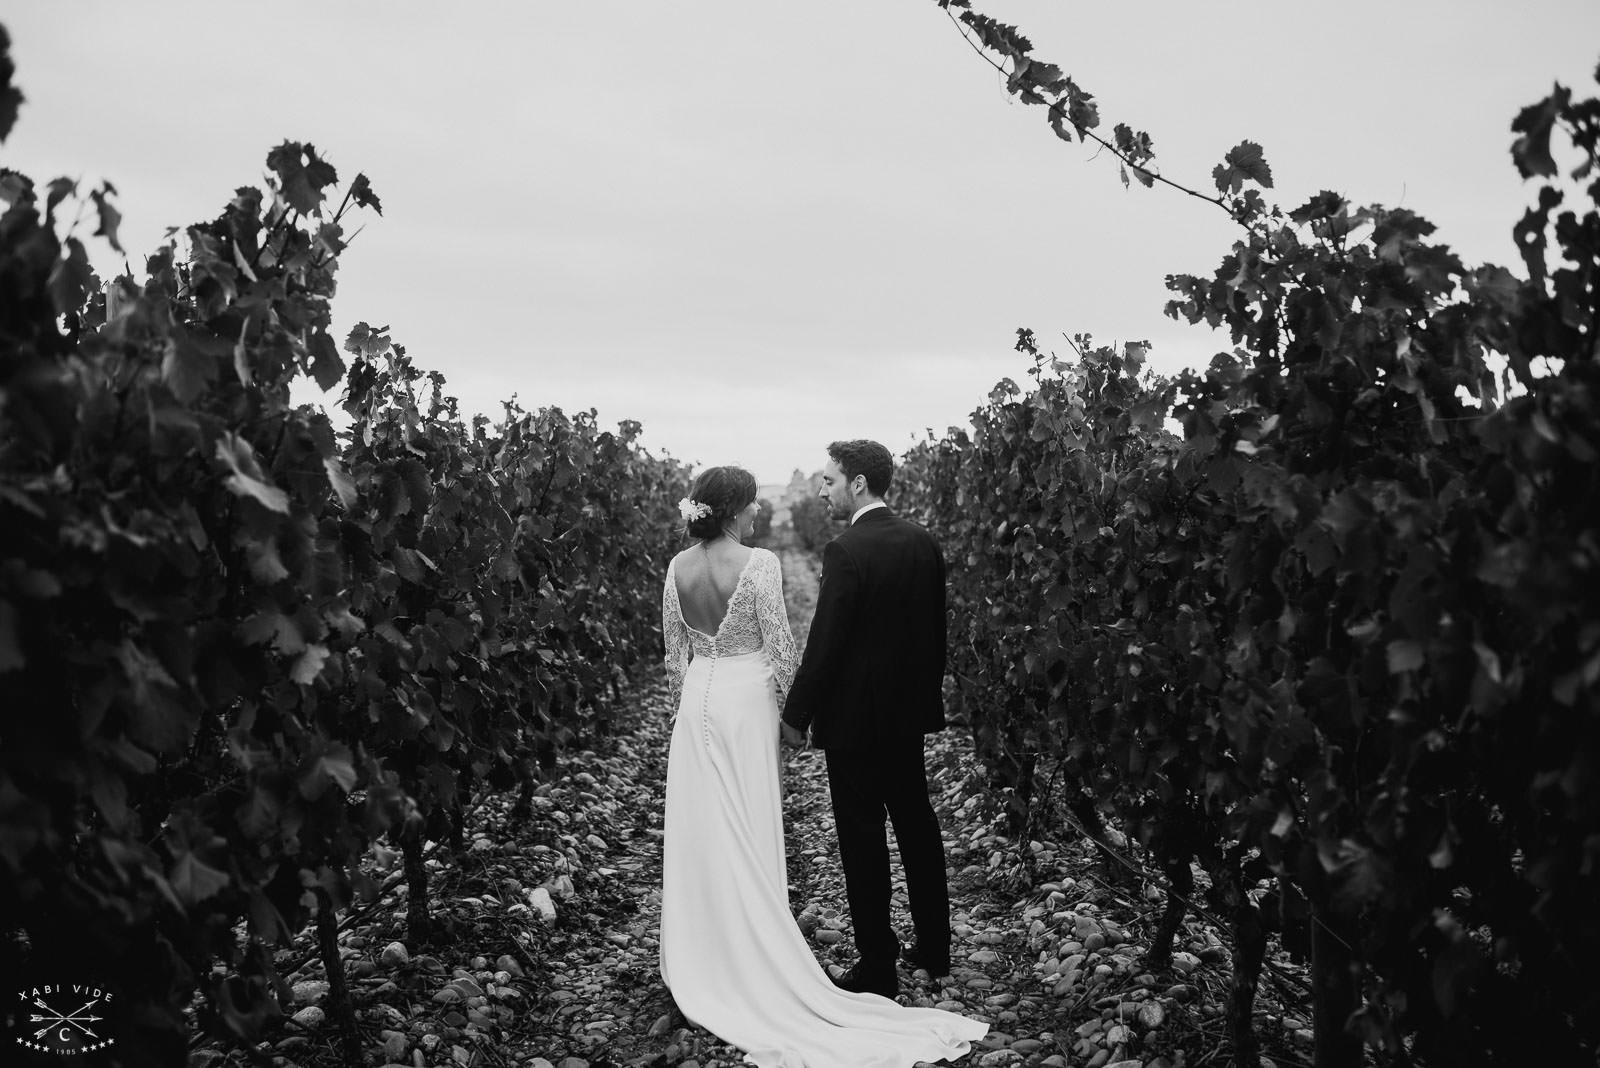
x: 869, y: 687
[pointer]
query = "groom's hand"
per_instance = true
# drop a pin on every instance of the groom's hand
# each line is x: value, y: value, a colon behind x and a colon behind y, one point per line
x: 791, y: 736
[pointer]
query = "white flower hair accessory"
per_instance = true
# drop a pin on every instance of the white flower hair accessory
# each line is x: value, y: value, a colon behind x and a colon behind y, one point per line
x: 692, y: 510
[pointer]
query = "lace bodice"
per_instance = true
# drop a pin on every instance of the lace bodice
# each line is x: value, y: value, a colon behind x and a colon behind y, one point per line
x: 756, y: 619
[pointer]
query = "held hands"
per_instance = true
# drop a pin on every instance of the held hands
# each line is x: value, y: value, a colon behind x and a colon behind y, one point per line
x: 791, y: 736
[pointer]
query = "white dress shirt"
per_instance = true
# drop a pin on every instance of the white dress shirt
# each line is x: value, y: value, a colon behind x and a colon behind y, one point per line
x: 859, y: 512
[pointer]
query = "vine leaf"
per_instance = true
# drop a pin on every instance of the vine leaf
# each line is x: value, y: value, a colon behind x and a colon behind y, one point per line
x: 59, y: 190
x: 110, y: 217
x: 342, y: 620
x: 999, y: 36
x: 302, y: 179
x: 186, y: 369
x: 271, y: 626
x: 344, y: 487
x: 1058, y: 123
x: 1082, y: 111
x: 327, y: 366
x: 247, y: 479
x: 71, y: 278
x: 1135, y: 147
x: 1530, y: 233
x: 367, y: 341
x: 407, y: 565
x: 193, y: 880
x: 1531, y: 151
x: 264, y: 562
x: 308, y: 665
x: 1245, y: 161
x: 361, y: 192
x: 1019, y: 70
x: 1404, y: 655
x: 332, y: 766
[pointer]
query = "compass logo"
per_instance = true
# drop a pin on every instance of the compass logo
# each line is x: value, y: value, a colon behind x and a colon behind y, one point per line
x: 63, y: 1017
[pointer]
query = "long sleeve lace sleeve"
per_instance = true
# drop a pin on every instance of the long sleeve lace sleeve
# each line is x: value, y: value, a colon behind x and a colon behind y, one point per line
x: 773, y: 616
x: 675, y: 636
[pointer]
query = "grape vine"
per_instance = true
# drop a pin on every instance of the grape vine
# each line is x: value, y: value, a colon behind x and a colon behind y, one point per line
x: 238, y: 648
x: 1339, y: 638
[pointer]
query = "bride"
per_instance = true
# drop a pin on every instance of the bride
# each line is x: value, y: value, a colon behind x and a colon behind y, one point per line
x: 731, y: 953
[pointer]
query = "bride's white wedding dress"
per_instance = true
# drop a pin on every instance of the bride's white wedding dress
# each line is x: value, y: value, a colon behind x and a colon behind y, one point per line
x: 731, y: 954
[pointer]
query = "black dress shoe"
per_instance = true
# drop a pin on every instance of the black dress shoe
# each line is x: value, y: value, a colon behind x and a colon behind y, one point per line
x: 915, y: 958
x: 859, y: 980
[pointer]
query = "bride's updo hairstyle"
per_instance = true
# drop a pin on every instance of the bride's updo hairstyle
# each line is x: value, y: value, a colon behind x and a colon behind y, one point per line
x: 727, y: 491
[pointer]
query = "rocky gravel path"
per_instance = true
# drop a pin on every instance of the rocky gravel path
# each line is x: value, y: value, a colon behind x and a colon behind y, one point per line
x: 551, y: 921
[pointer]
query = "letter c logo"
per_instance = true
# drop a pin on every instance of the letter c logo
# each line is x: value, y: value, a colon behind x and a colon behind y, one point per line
x: 66, y: 1036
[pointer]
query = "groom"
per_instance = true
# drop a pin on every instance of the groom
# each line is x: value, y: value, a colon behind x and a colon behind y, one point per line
x: 868, y: 689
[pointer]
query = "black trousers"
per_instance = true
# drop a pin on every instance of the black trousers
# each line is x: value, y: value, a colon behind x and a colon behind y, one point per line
x: 866, y: 785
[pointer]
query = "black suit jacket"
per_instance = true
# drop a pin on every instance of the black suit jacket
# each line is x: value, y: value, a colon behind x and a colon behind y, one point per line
x: 873, y: 668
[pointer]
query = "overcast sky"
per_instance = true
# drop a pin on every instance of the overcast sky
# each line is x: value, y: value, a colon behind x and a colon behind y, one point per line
x: 756, y: 227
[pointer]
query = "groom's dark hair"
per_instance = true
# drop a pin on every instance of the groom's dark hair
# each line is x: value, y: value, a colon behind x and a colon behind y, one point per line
x: 862, y: 457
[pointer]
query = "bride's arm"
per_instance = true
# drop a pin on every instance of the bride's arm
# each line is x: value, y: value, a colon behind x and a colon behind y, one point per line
x: 674, y: 635
x: 774, y: 618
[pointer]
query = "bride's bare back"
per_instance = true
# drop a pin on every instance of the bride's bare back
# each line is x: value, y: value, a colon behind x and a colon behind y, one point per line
x: 707, y: 574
